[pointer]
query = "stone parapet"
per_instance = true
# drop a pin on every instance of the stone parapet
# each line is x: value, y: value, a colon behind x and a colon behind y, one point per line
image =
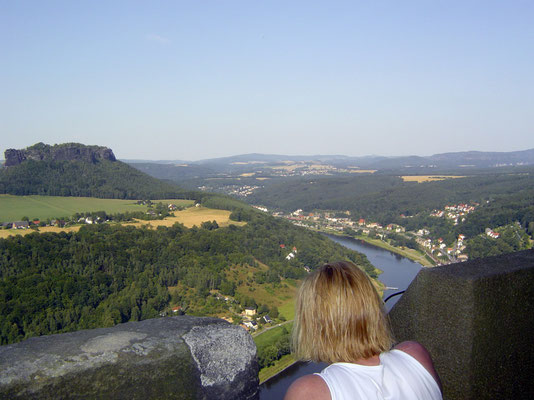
x: 166, y: 358
x: 477, y: 320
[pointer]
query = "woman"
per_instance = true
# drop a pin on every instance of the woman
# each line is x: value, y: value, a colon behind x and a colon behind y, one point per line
x: 340, y: 320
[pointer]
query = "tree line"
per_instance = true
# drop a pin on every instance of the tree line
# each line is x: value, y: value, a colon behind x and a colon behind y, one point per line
x: 107, y: 274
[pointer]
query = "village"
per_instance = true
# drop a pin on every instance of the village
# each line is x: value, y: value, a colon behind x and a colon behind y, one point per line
x: 435, y: 248
x: 154, y: 211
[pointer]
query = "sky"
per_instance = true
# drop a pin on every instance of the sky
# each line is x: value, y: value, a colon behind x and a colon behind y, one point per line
x: 191, y: 80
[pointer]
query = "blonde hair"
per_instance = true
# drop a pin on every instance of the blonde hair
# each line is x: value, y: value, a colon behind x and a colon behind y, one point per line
x: 339, y: 316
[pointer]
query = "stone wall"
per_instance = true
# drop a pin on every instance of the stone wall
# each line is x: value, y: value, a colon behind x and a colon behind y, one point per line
x: 166, y: 358
x: 477, y: 321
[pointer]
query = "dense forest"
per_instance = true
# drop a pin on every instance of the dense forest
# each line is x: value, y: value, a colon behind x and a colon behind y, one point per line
x: 505, y: 202
x: 108, y: 274
x: 104, y: 179
x: 384, y: 197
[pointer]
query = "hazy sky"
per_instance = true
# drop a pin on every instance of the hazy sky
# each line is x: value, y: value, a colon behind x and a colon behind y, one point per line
x: 199, y: 79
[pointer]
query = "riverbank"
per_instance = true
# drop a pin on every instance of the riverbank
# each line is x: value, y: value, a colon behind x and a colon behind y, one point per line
x: 411, y: 254
x: 397, y: 272
x: 279, y: 366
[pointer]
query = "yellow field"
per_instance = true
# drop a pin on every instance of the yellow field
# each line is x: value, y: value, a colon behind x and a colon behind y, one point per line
x: 262, y: 179
x: 189, y: 217
x: 428, y: 178
x: 193, y: 216
x: 247, y: 174
x: 5, y: 233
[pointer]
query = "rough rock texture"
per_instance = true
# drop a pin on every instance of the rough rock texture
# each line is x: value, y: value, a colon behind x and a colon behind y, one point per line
x: 165, y: 358
x: 61, y: 152
x: 477, y: 321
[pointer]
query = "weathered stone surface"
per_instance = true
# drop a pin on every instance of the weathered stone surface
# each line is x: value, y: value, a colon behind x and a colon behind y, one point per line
x: 477, y: 321
x: 165, y: 358
x: 62, y: 152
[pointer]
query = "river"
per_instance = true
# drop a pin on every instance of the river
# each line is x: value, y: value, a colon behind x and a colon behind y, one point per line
x: 398, y: 272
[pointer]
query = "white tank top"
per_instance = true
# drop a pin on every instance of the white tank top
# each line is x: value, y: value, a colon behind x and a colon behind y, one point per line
x: 399, y: 376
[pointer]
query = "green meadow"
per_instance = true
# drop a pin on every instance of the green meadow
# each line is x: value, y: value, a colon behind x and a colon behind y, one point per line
x: 14, y: 208
x: 268, y: 338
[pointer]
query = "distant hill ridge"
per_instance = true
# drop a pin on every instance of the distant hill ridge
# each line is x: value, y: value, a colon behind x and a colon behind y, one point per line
x: 74, y: 169
x: 58, y: 152
x: 478, y: 159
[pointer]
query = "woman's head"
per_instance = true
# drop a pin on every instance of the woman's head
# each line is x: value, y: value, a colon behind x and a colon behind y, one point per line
x: 339, y: 316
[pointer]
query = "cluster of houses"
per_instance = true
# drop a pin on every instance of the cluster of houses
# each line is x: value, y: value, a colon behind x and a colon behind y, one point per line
x: 304, y: 169
x: 243, y: 191
x: 319, y: 219
x: 456, y: 212
x: 439, y: 247
x: 433, y: 247
x: 35, y: 223
x: 367, y: 226
x: 250, y: 321
x: 334, y: 222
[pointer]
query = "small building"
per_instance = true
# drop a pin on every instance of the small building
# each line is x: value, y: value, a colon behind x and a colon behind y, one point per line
x: 290, y: 256
x: 249, y: 311
x: 251, y: 324
x: 21, y: 225
x: 267, y: 319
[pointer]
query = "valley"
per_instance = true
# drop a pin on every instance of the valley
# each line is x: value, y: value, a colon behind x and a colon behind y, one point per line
x: 233, y: 239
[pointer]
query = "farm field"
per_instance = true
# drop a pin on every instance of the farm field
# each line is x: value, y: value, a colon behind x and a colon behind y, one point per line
x: 193, y: 216
x: 13, y: 208
x: 428, y: 178
x: 189, y: 217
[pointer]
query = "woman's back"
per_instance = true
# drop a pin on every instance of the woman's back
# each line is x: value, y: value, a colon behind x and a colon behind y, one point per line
x: 340, y: 319
x: 399, y: 376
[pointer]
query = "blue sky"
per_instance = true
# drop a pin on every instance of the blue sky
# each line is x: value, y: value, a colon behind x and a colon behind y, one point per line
x: 192, y: 80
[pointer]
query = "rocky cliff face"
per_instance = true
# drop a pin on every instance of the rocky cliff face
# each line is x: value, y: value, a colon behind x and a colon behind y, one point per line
x: 165, y: 358
x: 58, y: 152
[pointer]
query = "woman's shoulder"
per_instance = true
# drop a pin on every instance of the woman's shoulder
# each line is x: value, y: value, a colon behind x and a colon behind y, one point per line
x: 421, y: 354
x: 308, y: 387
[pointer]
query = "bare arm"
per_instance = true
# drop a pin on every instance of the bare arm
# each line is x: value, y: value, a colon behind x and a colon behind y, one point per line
x: 308, y: 387
x: 421, y: 354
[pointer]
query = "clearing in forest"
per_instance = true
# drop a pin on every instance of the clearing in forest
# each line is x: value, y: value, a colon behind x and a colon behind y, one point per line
x: 428, y: 178
x: 193, y: 216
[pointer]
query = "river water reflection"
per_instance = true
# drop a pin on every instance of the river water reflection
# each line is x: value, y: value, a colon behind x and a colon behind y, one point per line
x: 397, y: 273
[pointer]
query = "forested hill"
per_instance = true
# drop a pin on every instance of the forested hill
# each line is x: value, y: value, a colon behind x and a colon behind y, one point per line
x: 107, y: 274
x: 384, y: 198
x: 77, y: 170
